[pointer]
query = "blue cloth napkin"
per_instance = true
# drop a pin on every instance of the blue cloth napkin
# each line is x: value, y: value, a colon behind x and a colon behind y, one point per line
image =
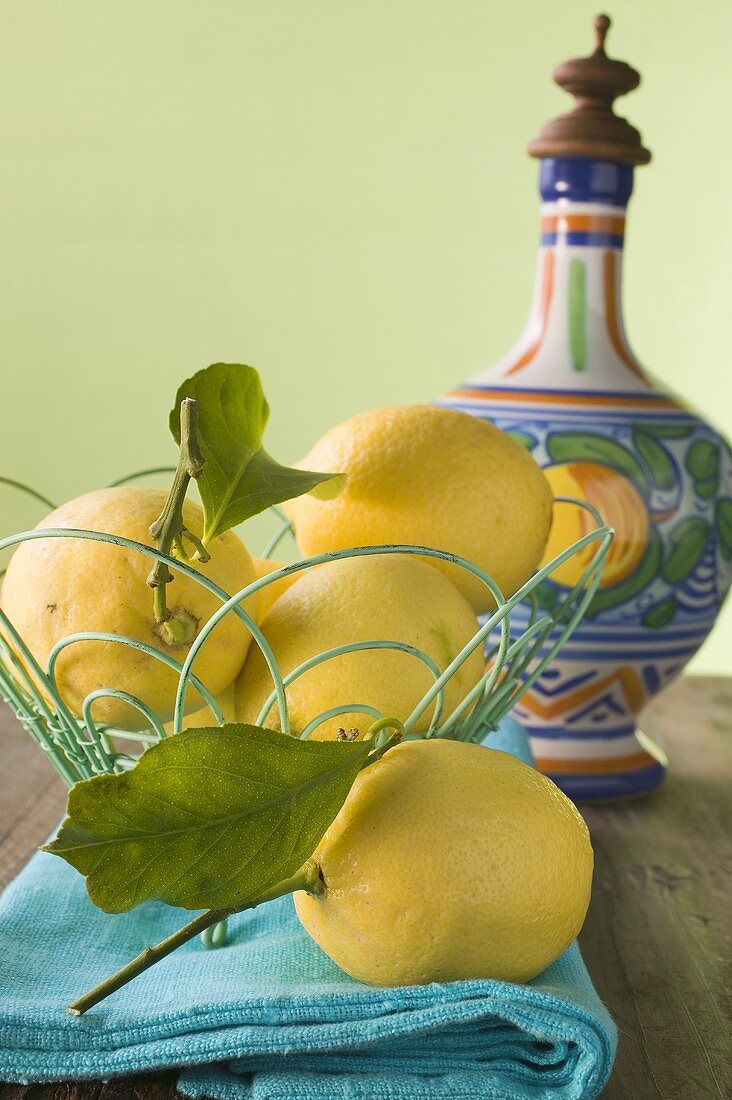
x: 270, y: 1017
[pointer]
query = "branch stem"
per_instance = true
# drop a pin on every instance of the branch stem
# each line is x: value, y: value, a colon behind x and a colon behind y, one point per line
x: 168, y: 529
x: 307, y: 878
x: 382, y: 744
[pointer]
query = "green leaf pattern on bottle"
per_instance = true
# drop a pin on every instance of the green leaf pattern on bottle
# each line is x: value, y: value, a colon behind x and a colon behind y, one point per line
x: 660, y: 614
x: 640, y: 578
x: 526, y: 440
x: 702, y: 462
x: 659, y: 463
x: 723, y: 524
x: 702, y: 459
x: 686, y: 544
x: 589, y: 447
x: 656, y: 458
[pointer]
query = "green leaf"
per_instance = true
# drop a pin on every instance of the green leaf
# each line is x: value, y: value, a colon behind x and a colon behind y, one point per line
x: 640, y: 578
x: 208, y: 819
x: 707, y: 488
x: 666, y: 431
x: 686, y: 544
x: 723, y: 521
x: 662, y: 613
x: 547, y: 596
x: 656, y: 458
x: 239, y: 479
x: 588, y: 447
x: 702, y: 460
x: 526, y: 440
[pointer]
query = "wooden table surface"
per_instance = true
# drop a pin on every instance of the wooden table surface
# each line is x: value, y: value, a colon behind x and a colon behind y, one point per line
x: 656, y: 941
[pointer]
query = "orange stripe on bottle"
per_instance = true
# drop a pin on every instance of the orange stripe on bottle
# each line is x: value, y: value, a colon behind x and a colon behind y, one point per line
x: 583, y: 223
x: 625, y: 677
x: 609, y: 263
x: 546, y: 397
x: 547, y: 291
x: 659, y: 517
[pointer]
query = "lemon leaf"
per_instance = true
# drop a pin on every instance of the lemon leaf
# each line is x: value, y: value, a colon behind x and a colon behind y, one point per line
x: 208, y: 819
x: 239, y: 478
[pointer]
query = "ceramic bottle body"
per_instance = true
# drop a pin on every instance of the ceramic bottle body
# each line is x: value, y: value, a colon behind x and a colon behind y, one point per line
x: 573, y: 393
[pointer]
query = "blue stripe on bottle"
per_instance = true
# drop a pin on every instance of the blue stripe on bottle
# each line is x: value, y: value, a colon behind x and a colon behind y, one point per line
x: 582, y: 240
x: 580, y: 179
x: 565, y: 732
x: 607, y: 632
x: 618, y: 785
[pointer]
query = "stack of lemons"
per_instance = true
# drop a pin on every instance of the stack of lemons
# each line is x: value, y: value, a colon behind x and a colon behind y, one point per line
x: 416, y: 475
x: 506, y: 854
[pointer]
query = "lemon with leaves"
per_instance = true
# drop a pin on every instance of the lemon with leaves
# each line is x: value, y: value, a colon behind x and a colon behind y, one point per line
x: 55, y: 587
x: 432, y: 477
x: 370, y: 598
x: 449, y: 861
x: 266, y: 596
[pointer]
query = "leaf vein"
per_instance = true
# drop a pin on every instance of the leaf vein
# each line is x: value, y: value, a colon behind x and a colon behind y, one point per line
x: 241, y: 815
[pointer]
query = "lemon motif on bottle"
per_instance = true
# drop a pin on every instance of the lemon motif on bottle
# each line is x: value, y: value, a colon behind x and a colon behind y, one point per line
x: 618, y: 502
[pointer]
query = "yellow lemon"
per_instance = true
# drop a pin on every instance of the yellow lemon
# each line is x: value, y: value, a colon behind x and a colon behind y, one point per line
x: 60, y: 586
x: 266, y: 596
x: 205, y: 716
x: 433, y: 477
x: 620, y: 505
x: 390, y: 596
x: 450, y: 861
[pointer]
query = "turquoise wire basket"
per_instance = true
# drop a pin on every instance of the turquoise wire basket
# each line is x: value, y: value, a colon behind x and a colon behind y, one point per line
x: 79, y: 747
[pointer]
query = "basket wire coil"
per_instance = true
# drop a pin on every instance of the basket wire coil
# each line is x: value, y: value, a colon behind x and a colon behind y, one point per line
x: 79, y: 748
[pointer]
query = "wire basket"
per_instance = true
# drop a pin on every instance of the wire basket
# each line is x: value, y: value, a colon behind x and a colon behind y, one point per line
x: 79, y: 747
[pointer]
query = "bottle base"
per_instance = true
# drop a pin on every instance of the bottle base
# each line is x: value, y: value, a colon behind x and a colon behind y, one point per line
x: 600, y: 780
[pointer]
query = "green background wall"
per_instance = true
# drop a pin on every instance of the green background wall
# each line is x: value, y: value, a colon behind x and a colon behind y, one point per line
x: 335, y: 192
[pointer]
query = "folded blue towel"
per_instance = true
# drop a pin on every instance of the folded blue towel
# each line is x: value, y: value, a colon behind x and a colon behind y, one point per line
x: 270, y: 1017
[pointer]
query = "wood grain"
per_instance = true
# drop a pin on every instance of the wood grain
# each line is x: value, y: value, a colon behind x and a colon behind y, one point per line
x: 656, y: 941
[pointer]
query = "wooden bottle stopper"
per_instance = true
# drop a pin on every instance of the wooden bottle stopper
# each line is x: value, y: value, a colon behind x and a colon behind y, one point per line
x: 591, y: 128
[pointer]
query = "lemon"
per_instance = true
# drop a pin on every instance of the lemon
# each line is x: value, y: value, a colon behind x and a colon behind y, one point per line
x: 450, y: 861
x: 433, y: 477
x: 266, y: 596
x: 391, y: 596
x: 59, y: 586
x: 205, y: 716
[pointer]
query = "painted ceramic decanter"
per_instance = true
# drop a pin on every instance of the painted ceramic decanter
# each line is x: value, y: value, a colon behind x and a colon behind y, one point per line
x: 573, y: 393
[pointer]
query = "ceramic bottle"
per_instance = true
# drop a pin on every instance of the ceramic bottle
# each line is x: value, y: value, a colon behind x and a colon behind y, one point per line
x: 572, y: 391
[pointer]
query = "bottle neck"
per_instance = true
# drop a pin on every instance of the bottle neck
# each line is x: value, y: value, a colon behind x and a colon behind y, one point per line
x: 574, y: 337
